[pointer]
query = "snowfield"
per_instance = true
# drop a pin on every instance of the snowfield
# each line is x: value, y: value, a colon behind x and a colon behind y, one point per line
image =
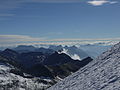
x: 10, y: 81
x: 103, y: 73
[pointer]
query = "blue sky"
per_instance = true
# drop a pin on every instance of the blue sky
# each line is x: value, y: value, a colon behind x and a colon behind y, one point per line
x: 60, y: 19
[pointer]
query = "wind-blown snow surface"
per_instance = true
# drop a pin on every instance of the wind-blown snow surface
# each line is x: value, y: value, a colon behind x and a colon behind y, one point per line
x: 101, y: 74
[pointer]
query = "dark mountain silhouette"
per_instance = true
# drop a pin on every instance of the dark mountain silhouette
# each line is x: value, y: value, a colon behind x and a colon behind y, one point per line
x: 31, y: 58
x: 56, y: 59
x: 53, y: 64
x: 10, y: 54
x: 45, y: 50
x: 65, y: 69
x: 31, y: 65
x: 26, y: 49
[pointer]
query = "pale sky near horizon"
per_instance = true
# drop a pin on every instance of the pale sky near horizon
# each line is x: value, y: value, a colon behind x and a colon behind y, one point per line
x: 59, y: 19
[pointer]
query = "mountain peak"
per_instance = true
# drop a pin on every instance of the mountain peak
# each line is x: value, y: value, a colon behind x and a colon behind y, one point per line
x: 57, y: 58
x: 9, y: 51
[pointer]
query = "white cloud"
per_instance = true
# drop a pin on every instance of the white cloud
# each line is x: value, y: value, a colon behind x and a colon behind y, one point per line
x: 113, y: 2
x: 75, y: 57
x: 6, y: 5
x: 101, y: 2
x: 11, y: 4
x: 13, y: 40
x: 18, y: 38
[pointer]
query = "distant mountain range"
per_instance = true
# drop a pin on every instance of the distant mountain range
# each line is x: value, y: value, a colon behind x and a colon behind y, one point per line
x: 95, y: 50
x: 79, y: 51
x: 75, y: 52
x: 72, y: 51
x: 30, y: 68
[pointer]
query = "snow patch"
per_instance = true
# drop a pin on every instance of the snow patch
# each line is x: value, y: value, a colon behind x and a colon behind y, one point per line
x: 74, y: 56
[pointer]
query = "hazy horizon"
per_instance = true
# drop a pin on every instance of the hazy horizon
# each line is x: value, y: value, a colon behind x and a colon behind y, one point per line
x: 61, y: 21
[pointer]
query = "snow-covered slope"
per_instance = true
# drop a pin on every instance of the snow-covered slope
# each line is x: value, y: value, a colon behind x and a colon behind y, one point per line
x: 101, y: 74
x: 11, y: 81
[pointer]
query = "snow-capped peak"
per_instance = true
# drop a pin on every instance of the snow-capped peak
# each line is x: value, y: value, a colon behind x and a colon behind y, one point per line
x: 73, y: 56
